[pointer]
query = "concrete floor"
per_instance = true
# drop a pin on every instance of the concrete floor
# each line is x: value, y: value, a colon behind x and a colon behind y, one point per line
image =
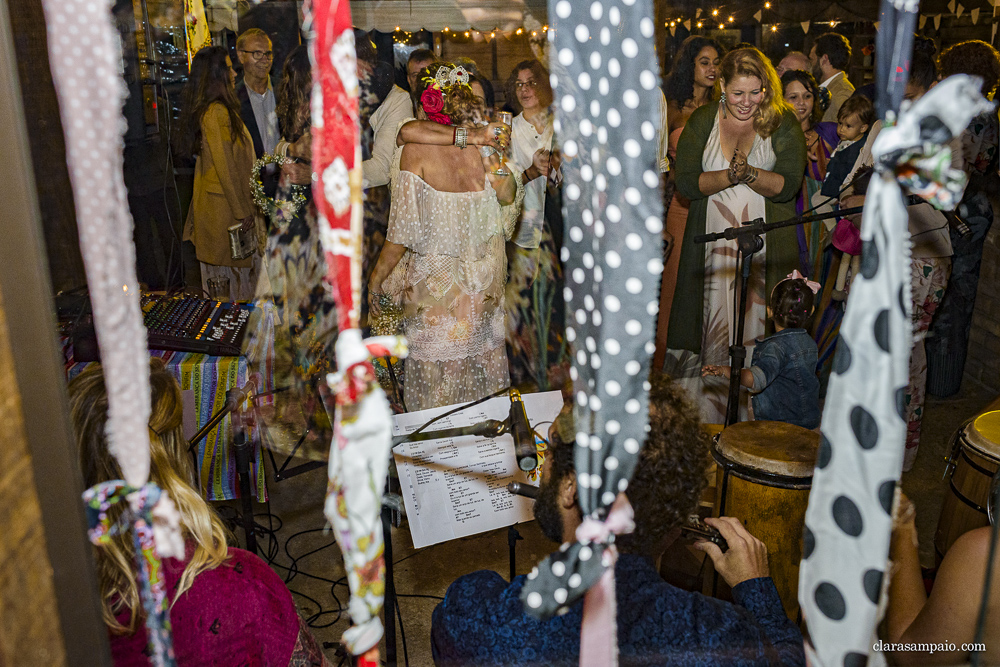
x: 307, y: 557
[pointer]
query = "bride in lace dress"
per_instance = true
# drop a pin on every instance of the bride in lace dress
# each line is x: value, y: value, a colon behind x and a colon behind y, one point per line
x: 452, y: 212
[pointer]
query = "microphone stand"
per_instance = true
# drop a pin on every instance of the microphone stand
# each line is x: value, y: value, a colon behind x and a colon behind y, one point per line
x: 489, y: 428
x: 241, y: 444
x: 749, y: 241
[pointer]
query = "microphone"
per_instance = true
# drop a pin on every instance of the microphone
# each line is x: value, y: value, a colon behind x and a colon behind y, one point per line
x: 489, y: 428
x: 521, y: 489
x: 524, y: 441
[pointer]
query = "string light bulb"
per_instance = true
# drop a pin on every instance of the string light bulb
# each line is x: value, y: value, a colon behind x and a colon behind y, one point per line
x: 731, y: 19
x: 518, y: 32
x: 492, y: 35
x: 466, y: 33
x: 445, y: 29
x: 715, y: 12
x: 767, y: 5
x: 774, y: 28
x: 700, y: 24
x: 722, y: 26
x: 534, y: 33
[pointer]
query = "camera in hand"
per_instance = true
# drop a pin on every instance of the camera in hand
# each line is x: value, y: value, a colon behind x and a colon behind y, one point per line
x: 697, y: 529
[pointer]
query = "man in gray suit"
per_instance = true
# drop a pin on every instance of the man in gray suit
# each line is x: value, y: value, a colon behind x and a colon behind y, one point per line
x: 830, y: 56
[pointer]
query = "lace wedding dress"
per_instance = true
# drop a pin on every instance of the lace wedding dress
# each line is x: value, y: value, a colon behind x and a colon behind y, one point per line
x: 450, y: 282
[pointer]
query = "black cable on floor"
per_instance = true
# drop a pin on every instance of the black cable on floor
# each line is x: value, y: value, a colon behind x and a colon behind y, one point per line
x: 402, y: 634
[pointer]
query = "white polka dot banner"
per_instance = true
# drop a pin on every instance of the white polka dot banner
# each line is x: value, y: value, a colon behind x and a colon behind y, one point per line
x: 84, y: 55
x: 849, y: 519
x: 605, y: 79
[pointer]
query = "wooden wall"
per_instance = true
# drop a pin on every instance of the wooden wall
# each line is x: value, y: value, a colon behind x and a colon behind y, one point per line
x: 30, y: 631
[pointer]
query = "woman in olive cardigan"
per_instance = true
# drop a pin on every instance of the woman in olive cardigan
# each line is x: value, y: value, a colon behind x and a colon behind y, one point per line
x: 782, y: 246
x: 751, y: 112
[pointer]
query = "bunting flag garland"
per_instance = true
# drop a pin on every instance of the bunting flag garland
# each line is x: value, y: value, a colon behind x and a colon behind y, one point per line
x: 359, y: 453
x: 937, y: 21
x: 959, y: 11
x: 805, y: 27
x: 758, y: 15
x: 951, y: 6
x: 923, y: 20
x: 687, y: 25
x: 605, y: 79
x: 91, y: 93
x: 974, y: 15
x: 863, y: 430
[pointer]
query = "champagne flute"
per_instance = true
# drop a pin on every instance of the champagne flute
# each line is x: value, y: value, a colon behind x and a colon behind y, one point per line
x: 507, y: 118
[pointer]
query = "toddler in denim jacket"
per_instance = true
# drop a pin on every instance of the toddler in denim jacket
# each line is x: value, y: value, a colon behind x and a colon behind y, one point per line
x: 782, y: 375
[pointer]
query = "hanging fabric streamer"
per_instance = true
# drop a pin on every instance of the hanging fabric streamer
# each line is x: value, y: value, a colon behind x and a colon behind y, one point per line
x: 359, y: 454
x: 91, y: 93
x: 605, y: 79
x: 849, y: 518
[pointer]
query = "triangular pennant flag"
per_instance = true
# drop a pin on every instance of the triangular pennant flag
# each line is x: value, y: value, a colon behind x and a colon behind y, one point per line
x: 697, y: 13
x: 959, y: 12
x: 805, y: 26
x: 994, y: 35
x: 923, y: 22
x: 760, y: 12
x: 937, y: 21
x: 951, y: 6
x: 974, y: 15
x: 673, y: 29
x: 876, y: 25
x: 687, y: 24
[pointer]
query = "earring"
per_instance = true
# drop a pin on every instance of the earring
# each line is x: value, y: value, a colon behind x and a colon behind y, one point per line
x: 722, y: 103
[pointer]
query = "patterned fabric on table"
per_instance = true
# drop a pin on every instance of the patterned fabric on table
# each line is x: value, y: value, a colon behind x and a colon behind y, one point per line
x: 481, y: 622
x: 209, y: 378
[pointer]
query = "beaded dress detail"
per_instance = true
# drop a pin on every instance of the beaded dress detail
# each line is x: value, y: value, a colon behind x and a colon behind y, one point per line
x: 450, y: 282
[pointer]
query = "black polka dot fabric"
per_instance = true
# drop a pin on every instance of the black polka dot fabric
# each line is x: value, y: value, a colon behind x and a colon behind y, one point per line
x: 606, y: 83
x: 848, y: 521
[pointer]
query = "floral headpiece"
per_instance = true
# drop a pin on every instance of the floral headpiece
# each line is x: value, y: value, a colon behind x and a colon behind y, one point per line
x: 432, y: 99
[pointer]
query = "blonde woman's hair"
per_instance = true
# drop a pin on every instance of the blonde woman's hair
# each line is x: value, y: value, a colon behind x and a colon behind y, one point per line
x: 170, y: 469
x: 752, y: 63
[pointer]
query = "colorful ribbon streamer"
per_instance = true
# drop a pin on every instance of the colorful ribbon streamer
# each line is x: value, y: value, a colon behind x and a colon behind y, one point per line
x: 139, y: 517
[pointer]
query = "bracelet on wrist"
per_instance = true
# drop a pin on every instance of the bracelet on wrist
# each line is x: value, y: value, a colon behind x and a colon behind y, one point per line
x: 461, y: 138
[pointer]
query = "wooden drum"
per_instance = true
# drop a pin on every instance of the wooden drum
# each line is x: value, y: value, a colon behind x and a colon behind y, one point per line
x: 763, y: 479
x: 974, y: 462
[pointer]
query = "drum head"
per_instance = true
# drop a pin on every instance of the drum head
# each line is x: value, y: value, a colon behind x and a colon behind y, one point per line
x: 772, y: 447
x: 984, y: 434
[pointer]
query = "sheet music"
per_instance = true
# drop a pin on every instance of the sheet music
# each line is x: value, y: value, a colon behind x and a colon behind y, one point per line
x: 455, y: 487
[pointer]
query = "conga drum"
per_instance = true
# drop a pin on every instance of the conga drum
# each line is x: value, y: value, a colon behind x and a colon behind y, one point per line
x: 763, y: 479
x: 974, y: 462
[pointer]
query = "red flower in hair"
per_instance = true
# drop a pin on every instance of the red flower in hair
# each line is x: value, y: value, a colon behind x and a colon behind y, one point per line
x: 432, y: 100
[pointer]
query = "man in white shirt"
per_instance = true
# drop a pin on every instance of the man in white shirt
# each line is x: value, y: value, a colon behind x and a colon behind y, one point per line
x: 397, y: 107
x: 830, y: 56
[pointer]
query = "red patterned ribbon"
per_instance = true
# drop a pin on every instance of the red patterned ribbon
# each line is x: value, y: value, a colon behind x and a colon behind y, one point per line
x: 336, y: 152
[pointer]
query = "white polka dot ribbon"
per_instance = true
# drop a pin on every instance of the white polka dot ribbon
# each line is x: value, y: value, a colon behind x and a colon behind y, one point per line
x: 849, y: 518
